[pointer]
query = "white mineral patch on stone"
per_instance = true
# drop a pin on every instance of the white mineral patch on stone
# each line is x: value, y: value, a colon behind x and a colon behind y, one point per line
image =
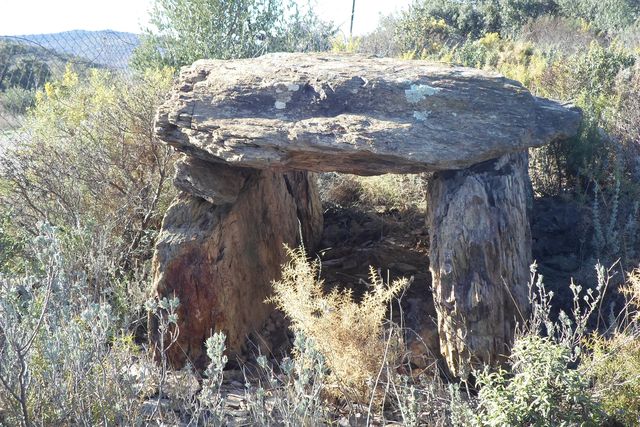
x: 281, y: 105
x: 418, y: 93
x: 293, y: 87
x: 421, y: 116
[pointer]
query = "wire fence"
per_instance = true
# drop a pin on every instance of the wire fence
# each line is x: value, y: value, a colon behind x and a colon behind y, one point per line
x: 28, y: 62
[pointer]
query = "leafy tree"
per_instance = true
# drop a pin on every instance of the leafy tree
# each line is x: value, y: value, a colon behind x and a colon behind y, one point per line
x: 516, y: 13
x: 607, y: 15
x: 22, y: 67
x: 187, y: 30
x: 541, y: 390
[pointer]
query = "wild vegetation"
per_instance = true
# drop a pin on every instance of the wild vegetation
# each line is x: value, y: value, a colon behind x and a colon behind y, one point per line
x: 183, y: 31
x: 83, y: 194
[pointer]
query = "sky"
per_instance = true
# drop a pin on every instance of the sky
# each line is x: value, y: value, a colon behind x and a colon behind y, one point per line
x: 49, y: 16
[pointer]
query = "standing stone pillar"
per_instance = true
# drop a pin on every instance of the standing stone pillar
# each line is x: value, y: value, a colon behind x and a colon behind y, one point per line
x: 221, y: 245
x: 479, y: 258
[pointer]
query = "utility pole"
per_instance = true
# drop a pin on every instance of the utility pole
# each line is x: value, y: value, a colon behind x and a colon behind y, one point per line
x: 353, y: 11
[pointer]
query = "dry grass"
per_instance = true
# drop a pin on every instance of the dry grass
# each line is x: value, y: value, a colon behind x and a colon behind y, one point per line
x: 389, y: 191
x: 342, y: 330
x: 631, y: 291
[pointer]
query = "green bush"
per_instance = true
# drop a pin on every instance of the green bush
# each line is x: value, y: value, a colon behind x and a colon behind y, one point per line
x: 608, y: 15
x: 541, y: 389
x: 614, y: 362
x: 187, y: 30
x: 615, y: 369
x: 549, y: 377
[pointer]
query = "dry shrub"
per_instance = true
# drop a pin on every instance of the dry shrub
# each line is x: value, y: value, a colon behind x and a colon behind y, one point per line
x: 404, y: 192
x: 340, y: 189
x: 87, y: 162
x: 350, y: 335
x: 398, y: 191
x: 632, y: 293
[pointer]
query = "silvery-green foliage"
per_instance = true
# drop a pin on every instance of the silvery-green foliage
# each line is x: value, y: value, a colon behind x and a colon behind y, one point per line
x: 165, y: 311
x: 543, y: 386
x: 462, y: 411
x: 614, y: 225
x: 295, y: 391
x: 630, y: 232
x: 408, y: 399
x: 569, y: 329
x: 606, y: 235
x: 61, y: 359
x: 215, y: 345
x: 540, y: 390
x: 419, y: 400
x: 210, y: 396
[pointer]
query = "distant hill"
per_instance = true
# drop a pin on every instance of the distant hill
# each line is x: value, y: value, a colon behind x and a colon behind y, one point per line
x: 28, y: 66
x: 106, y: 48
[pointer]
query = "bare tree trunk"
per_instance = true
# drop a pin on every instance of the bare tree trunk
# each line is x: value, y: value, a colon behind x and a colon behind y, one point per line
x: 479, y: 258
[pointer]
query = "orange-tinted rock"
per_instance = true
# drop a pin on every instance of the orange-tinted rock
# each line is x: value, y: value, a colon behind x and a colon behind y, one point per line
x: 219, y: 260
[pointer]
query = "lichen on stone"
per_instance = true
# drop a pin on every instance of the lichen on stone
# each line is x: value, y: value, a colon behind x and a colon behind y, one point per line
x: 418, y: 93
x: 421, y: 116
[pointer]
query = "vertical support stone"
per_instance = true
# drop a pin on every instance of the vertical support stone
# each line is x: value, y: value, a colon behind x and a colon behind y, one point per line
x: 479, y: 258
x: 219, y: 250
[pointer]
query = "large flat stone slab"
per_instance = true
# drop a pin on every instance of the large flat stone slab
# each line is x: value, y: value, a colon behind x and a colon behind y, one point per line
x: 354, y: 114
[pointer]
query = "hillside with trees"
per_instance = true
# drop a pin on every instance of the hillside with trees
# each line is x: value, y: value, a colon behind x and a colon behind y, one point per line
x: 27, y: 62
x: 85, y: 183
x: 106, y: 48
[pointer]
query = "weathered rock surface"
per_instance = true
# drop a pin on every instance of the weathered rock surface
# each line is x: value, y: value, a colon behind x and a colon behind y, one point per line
x: 217, y: 183
x: 219, y: 259
x: 354, y: 114
x: 479, y: 256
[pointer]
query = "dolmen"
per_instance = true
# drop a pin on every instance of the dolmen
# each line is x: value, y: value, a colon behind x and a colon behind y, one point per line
x: 253, y: 133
